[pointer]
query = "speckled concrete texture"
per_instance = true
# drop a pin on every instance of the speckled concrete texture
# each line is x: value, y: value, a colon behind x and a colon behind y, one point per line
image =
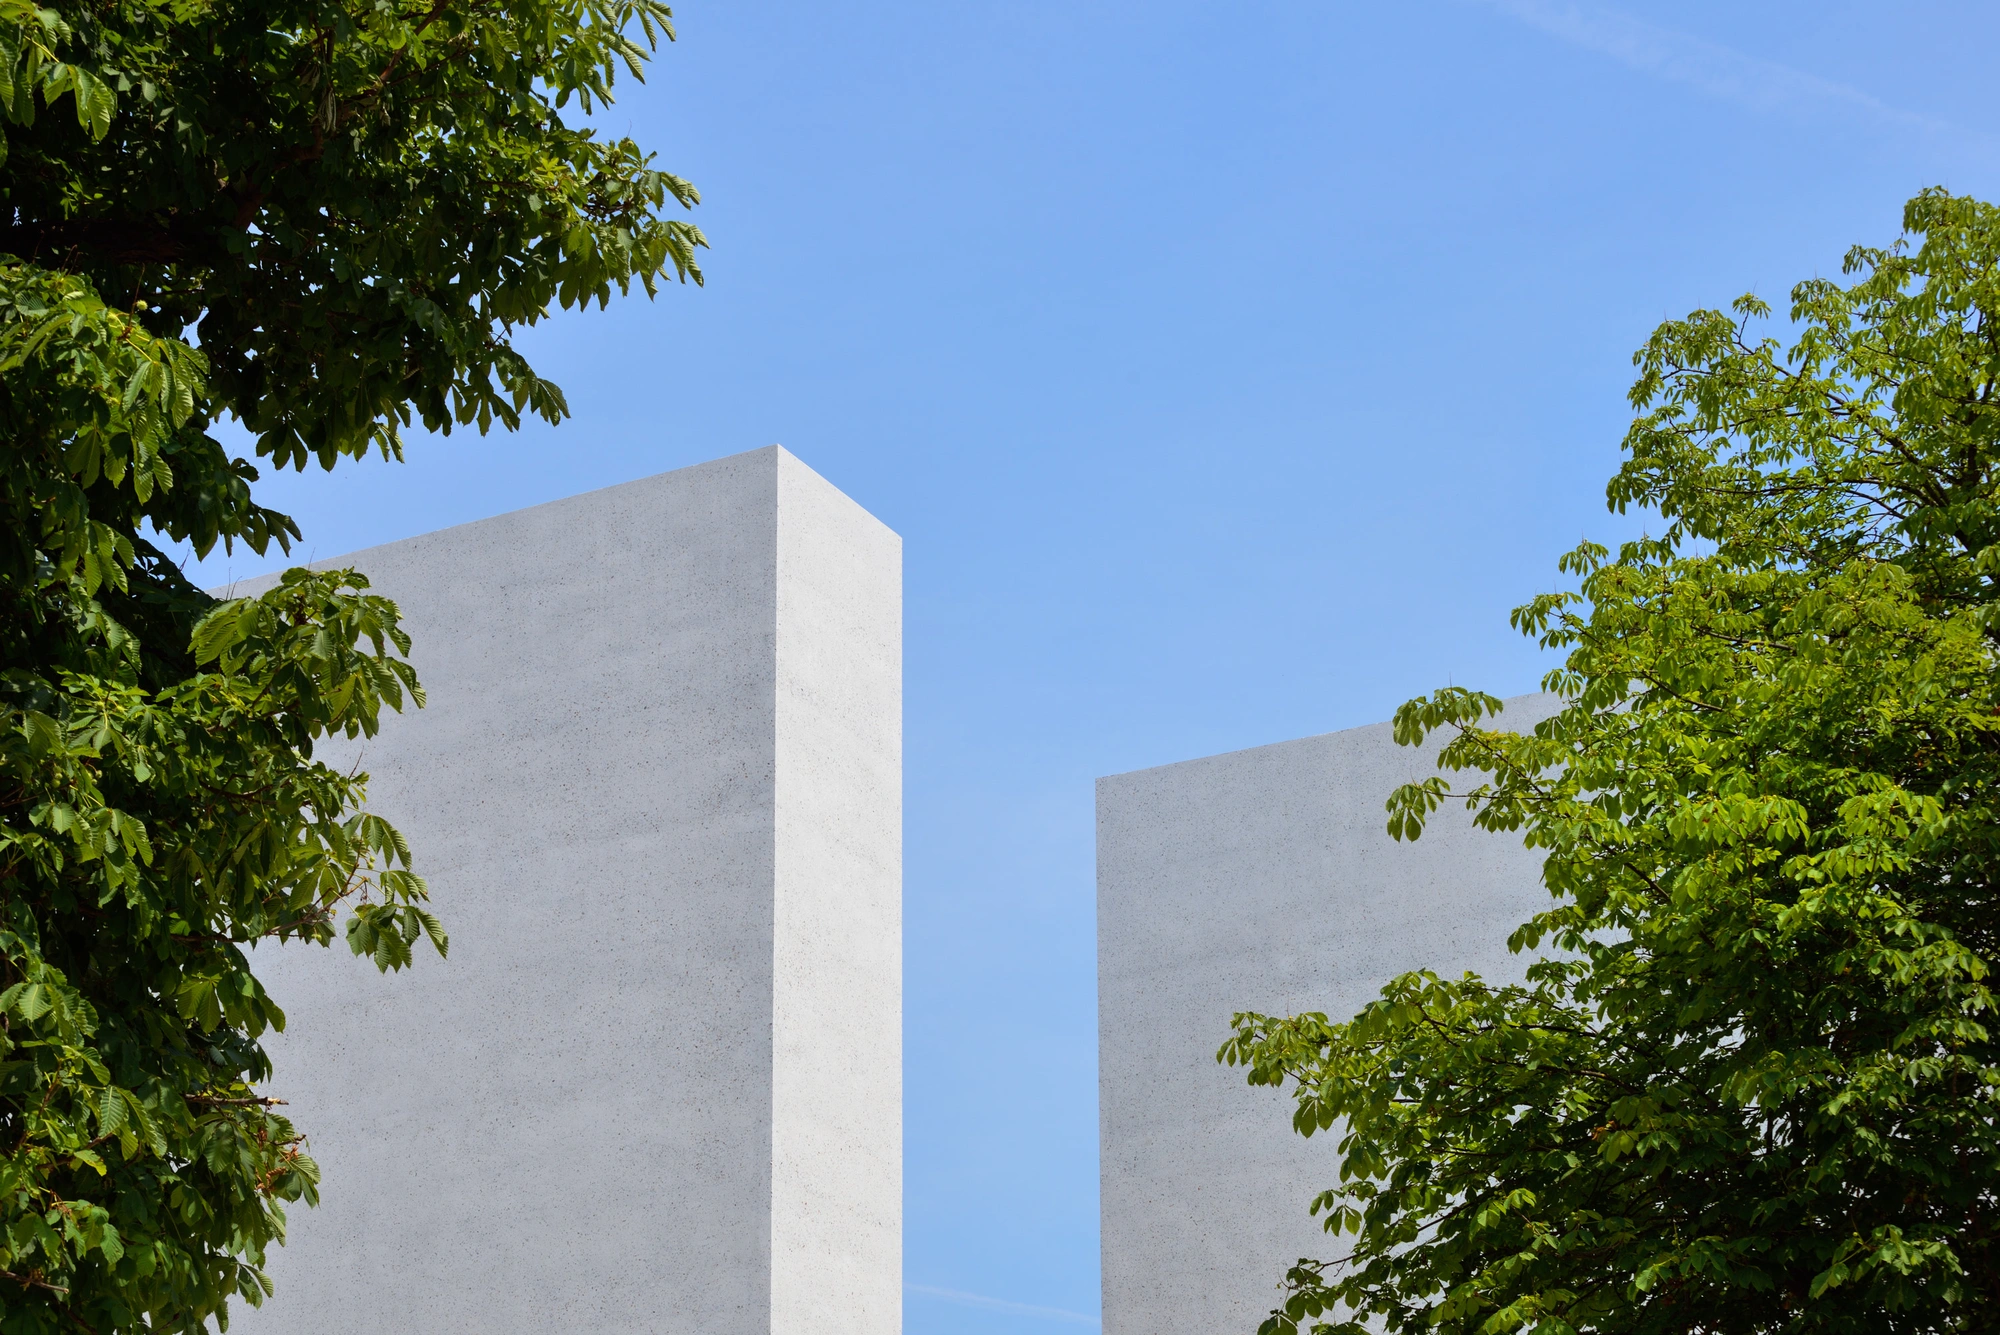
x: 657, y: 792
x: 837, y: 1011
x: 1262, y: 880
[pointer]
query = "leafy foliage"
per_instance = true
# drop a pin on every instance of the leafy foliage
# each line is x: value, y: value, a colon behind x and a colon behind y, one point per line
x: 1750, y: 1082
x: 354, y: 203
x: 351, y: 207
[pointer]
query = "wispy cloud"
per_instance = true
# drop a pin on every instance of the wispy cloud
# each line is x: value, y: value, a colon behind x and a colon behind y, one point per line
x: 1002, y: 1305
x: 1717, y: 70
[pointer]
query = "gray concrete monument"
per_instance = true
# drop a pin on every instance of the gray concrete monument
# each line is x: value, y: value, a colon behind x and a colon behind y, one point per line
x: 1261, y: 880
x: 657, y: 1087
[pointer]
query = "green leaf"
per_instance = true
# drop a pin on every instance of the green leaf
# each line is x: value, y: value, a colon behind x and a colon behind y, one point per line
x: 110, y: 1111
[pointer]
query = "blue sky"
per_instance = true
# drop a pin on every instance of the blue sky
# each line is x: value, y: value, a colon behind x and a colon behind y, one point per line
x: 1229, y: 370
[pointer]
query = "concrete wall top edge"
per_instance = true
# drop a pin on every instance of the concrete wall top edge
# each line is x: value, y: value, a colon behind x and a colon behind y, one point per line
x: 791, y: 463
x: 1532, y: 701
x: 777, y: 456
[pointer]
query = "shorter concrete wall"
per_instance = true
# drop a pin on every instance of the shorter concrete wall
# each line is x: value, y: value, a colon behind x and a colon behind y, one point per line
x: 1262, y: 880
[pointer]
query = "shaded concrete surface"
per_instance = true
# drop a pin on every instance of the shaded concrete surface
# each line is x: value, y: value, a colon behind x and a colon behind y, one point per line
x: 1261, y: 880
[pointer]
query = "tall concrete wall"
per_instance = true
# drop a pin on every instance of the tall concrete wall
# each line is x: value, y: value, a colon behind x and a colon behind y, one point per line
x: 1263, y: 881
x: 657, y: 1086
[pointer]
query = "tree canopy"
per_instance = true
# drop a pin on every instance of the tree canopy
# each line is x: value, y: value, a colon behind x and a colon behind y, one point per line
x: 326, y: 220
x: 1750, y: 1081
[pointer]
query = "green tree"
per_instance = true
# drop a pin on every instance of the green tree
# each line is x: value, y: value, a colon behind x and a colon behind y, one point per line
x: 326, y: 218
x: 1750, y: 1083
